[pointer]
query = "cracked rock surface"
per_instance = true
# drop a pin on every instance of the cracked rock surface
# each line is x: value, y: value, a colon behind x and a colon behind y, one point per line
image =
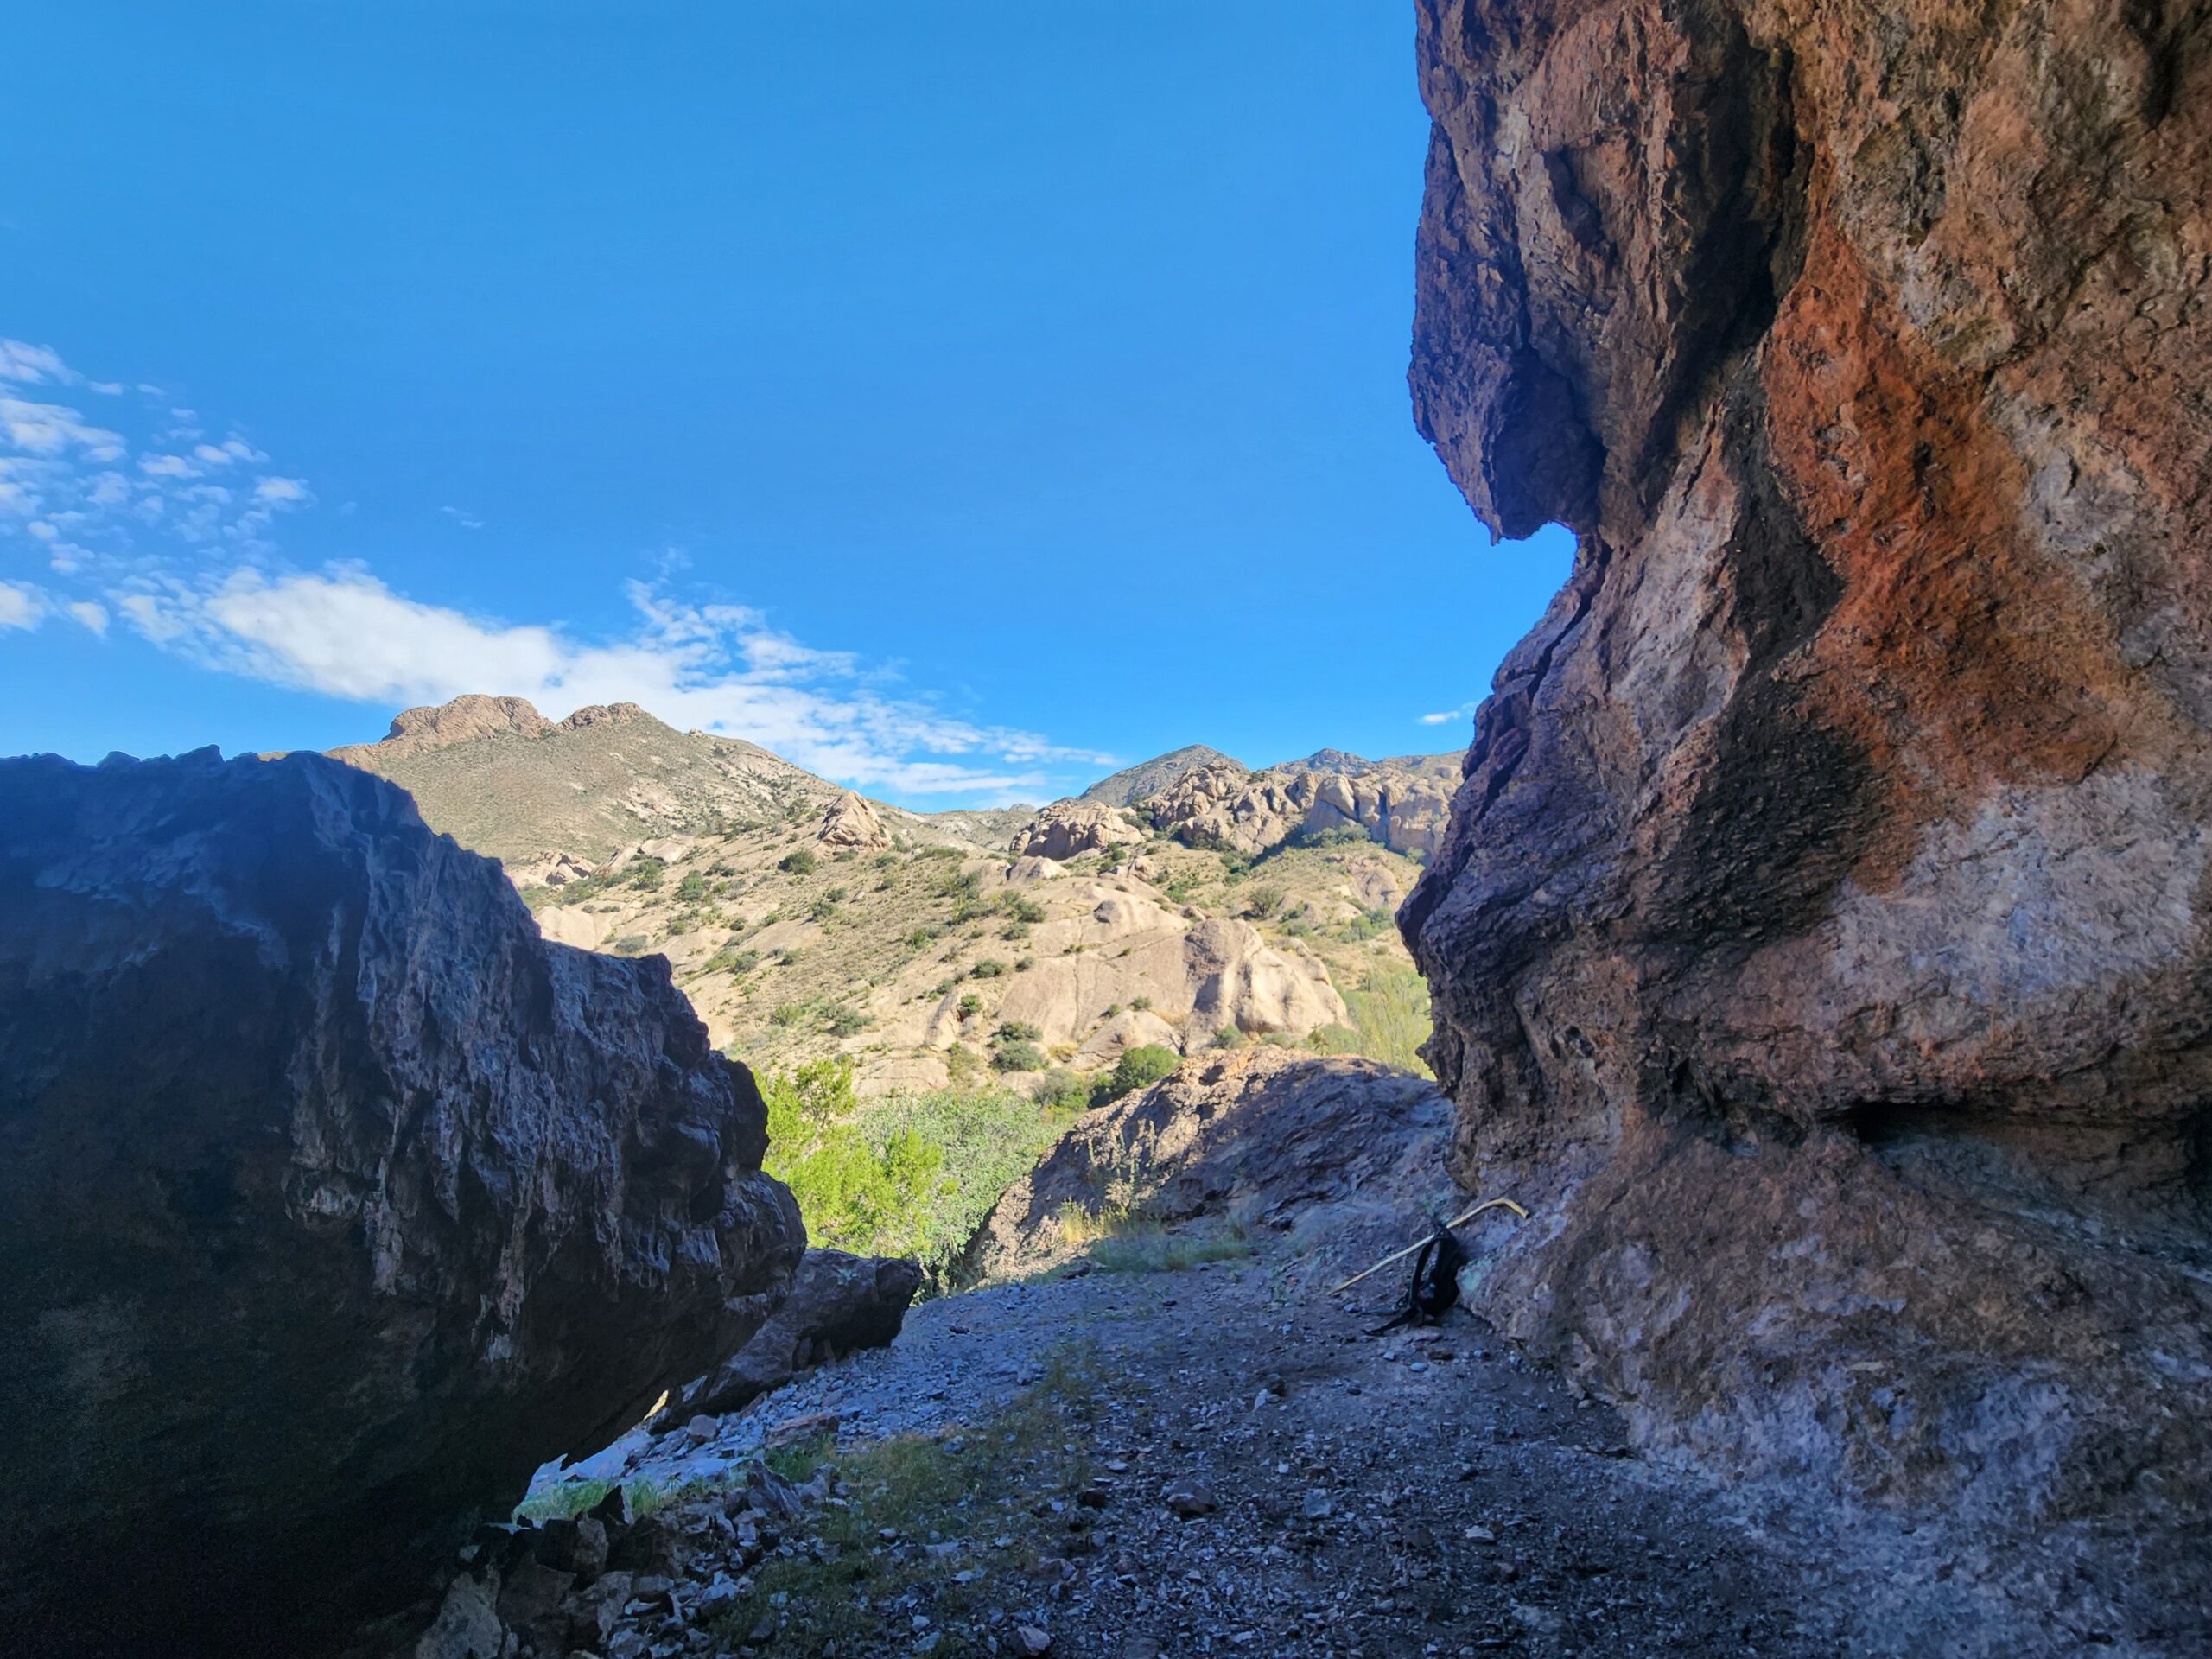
x: 1821, y: 935
x: 332, y: 1200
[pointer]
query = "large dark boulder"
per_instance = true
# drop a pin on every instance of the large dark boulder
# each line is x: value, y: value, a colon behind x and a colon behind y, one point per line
x: 333, y: 1201
x: 1822, y: 945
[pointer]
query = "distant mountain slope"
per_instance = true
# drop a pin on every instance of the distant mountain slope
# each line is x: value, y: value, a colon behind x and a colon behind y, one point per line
x: 1148, y: 778
x: 497, y: 776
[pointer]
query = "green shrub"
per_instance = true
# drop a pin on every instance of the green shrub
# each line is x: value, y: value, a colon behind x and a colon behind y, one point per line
x: 1370, y: 925
x: 800, y: 861
x: 731, y: 962
x: 1018, y: 1057
x: 971, y: 1006
x: 836, y: 895
x: 646, y: 873
x: 1064, y: 1094
x: 1139, y: 1003
x: 787, y: 1014
x: 987, y: 968
x: 1261, y: 902
x: 1022, y: 909
x: 822, y: 908
x: 846, y: 1022
x: 692, y: 889
x: 1390, y: 1012
x: 1138, y: 1067
x: 955, y: 884
x: 1230, y: 1037
x: 1017, y: 1031
x: 630, y: 944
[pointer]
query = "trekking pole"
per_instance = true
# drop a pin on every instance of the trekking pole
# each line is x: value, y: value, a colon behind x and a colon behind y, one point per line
x: 1400, y: 1255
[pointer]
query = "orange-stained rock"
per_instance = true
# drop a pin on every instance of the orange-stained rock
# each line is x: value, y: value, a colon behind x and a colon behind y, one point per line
x: 1822, y: 939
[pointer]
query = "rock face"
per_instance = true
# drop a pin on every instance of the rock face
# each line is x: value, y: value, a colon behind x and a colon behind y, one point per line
x: 502, y: 779
x: 1201, y: 978
x: 1067, y: 828
x: 1266, y: 1138
x: 851, y: 824
x: 465, y: 719
x: 332, y: 1200
x: 838, y: 1304
x: 1251, y: 811
x: 1820, y: 938
x: 1147, y: 777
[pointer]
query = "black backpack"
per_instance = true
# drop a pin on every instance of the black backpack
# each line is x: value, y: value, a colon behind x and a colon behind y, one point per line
x: 1434, y: 1288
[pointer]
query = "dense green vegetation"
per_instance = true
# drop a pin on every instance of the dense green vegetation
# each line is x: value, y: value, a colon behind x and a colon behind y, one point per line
x: 904, y: 1175
x: 1390, y: 1021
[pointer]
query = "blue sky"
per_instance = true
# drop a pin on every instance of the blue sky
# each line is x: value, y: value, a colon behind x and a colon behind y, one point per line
x: 958, y: 399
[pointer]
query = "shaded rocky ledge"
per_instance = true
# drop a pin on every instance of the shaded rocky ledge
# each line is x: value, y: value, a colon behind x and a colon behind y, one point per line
x: 1820, y: 940
x: 333, y: 1201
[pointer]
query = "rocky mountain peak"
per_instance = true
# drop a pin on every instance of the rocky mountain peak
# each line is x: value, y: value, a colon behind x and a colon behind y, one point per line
x: 1148, y: 778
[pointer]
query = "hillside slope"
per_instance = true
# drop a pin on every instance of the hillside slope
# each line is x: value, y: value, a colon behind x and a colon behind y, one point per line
x: 805, y: 923
x: 504, y: 780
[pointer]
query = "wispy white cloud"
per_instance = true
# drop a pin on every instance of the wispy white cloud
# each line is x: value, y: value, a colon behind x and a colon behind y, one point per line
x: 170, y: 531
x: 718, y: 667
x: 1465, y: 711
x: 87, y: 493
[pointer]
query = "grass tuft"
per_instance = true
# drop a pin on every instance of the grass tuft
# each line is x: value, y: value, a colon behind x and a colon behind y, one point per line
x: 854, y: 1586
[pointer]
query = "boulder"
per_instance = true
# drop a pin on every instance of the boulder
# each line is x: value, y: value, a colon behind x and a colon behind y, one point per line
x: 851, y: 825
x: 1822, y: 936
x: 333, y: 1201
x: 837, y: 1304
x: 1131, y: 1028
x: 1340, y: 1147
x: 552, y: 869
x: 1225, y: 806
x: 1067, y: 828
x: 1207, y: 977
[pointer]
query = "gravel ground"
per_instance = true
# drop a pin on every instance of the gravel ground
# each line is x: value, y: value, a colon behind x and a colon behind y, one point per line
x: 1271, y: 1481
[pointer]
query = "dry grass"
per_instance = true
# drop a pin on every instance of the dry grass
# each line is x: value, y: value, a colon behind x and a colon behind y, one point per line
x: 868, y: 1573
x: 1119, y: 1237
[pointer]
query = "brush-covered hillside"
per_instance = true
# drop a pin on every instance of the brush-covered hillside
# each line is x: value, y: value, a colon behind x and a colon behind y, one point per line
x: 1228, y: 906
